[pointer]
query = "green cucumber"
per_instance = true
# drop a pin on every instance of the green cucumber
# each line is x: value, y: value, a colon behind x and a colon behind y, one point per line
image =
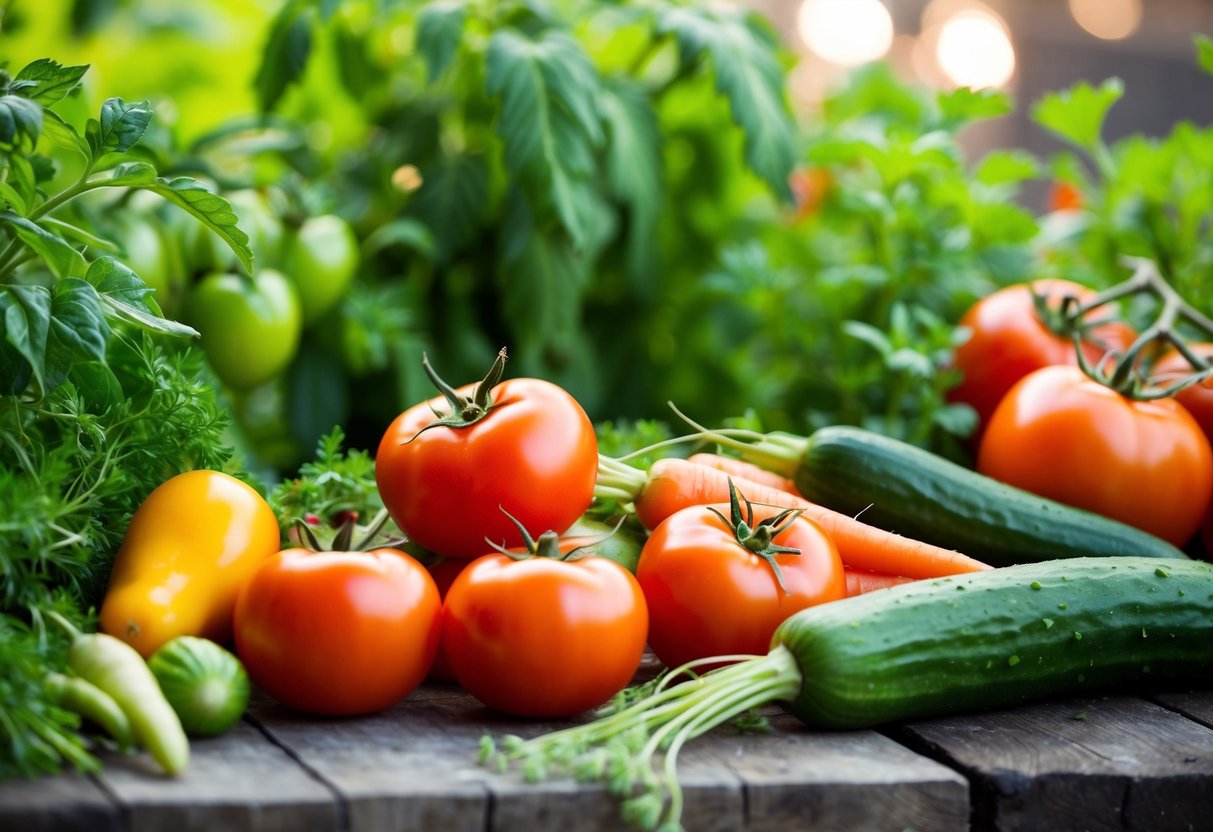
x: 908, y: 490
x: 1000, y: 638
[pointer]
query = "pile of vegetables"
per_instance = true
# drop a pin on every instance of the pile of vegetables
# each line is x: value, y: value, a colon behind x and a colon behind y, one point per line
x: 961, y: 444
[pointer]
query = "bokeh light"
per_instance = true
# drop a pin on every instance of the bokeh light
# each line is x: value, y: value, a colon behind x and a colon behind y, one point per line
x: 1107, y: 19
x: 846, y: 32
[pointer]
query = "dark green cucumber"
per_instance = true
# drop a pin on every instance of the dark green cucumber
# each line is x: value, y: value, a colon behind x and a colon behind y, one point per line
x: 1001, y: 638
x: 908, y: 490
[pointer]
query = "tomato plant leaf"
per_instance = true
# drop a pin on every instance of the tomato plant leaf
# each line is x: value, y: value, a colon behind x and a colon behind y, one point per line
x: 81, y: 235
x: 124, y: 295
x: 405, y: 232
x: 317, y: 396
x: 64, y: 134
x: 120, y: 127
x: 1078, y: 114
x: 453, y: 202
x: 60, y: 257
x: 51, y: 81
x: 439, y: 32
x: 27, y: 315
x: 548, y: 119
x: 19, y: 117
x: 77, y: 329
x: 542, y: 290
x: 131, y: 175
x: 286, y: 52
x: 211, y: 209
x: 9, y: 195
x: 748, y: 74
x: 633, y: 166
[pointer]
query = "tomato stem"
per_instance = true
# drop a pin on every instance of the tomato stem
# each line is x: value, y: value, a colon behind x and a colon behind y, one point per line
x: 464, y: 411
x: 759, y: 539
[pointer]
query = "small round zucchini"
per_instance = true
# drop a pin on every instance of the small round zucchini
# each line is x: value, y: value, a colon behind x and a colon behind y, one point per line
x: 205, y: 684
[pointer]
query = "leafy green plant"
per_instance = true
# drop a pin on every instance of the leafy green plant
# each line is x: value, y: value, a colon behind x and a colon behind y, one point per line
x: 1140, y: 196
x: 96, y: 408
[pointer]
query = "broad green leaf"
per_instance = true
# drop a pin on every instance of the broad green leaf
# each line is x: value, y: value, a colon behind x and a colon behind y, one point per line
x: 1204, y: 52
x: 748, y: 73
x: 124, y: 295
x: 961, y: 106
x: 19, y: 117
x: 121, y: 126
x: 52, y: 81
x: 1078, y: 114
x: 78, y: 330
x: 634, y: 167
x: 57, y: 253
x: 23, y: 180
x: 9, y: 195
x: 1002, y: 167
x: 99, y: 387
x: 132, y: 175
x: 63, y: 134
x: 405, y: 232
x: 285, y: 54
x: 27, y: 317
x: 542, y: 291
x: 211, y: 209
x: 548, y: 117
x: 439, y: 32
x: 453, y: 202
x: 80, y: 235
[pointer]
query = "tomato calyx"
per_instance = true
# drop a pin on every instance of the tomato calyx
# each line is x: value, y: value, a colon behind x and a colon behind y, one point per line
x: 1129, y: 374
x: 465, y: 410
x: 547, y: 544
x: 343, y: 539
x: 759, y: 539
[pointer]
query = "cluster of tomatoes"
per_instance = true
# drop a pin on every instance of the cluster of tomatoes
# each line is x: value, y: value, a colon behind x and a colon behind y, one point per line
x: 490, y: 478
x: 1048, y: 427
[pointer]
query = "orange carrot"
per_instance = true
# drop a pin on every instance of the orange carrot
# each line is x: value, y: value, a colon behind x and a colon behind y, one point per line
x: 860, y: 581
x: 740, y: 468
x: 672, y: 484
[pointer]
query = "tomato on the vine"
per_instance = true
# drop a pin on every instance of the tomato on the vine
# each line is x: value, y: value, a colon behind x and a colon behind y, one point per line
x: 1065, y: 436
x: 1197, y: 398
x: 340, y: 632
x: 524, y: 444
x: 547, y: 635
x: 1008, y: 340
x: 720, y: 586
x: 250, y: 326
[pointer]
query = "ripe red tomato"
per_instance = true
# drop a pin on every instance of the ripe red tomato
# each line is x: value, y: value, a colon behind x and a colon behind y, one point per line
x: 338, y: 633
x: 544, y: 637
x: 1008, y: 341
x: 1198, y: 397
x: 710, y: 595
x: 534, y: 452
x: 1064, y: 436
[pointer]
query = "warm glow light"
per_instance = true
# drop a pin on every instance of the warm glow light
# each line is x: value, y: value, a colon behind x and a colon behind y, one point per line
x: 846, y: 32
x: 1107, y: 19
x: 974, y: 50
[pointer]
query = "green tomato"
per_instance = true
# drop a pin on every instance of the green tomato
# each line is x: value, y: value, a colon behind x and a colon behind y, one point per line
x: 321, y: 258
x: 250, y: 326
x: 205, y: 684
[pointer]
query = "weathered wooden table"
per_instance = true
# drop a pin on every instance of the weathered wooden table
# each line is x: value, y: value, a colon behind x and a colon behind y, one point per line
x: 1114, y: 762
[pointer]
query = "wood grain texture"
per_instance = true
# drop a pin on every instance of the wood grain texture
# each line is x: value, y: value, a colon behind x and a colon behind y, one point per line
x: 239, y: 782
x: 1196, y: 705
x: 1107, y: 763
x: 414, y: 767
x: 67, y: 803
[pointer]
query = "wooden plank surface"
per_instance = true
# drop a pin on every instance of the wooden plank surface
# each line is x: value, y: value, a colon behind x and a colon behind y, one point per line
x: 68, y: 803
x: 1102, y: 763
x: 414, y: 767
x: 1197, y: 705
x: 239, y: 782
